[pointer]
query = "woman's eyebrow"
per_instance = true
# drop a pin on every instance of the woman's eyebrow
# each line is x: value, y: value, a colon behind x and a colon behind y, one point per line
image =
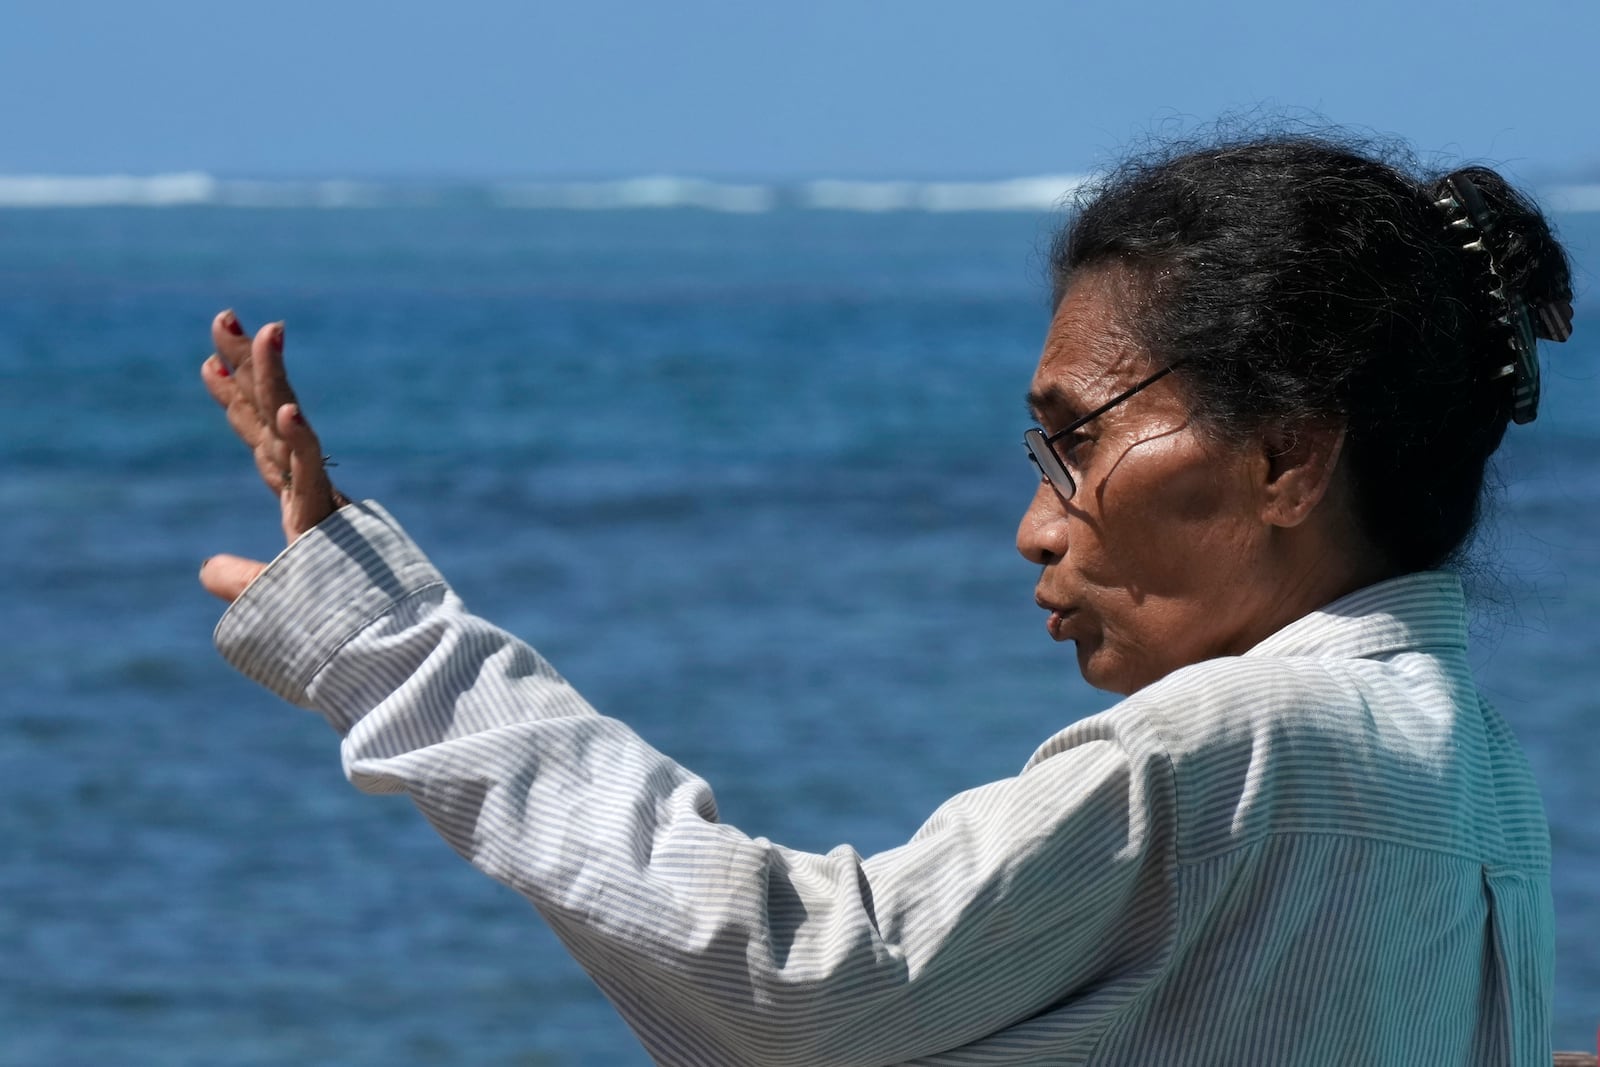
x: 1051, y: 400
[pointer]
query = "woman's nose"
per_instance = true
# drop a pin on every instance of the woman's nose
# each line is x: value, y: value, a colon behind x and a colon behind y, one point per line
x: 1042, y: 533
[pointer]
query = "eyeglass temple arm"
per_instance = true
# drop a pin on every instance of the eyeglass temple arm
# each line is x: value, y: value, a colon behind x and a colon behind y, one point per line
x: 1114, y: 401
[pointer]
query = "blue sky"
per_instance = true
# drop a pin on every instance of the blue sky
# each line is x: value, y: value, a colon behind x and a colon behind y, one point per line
x: 869, y: 88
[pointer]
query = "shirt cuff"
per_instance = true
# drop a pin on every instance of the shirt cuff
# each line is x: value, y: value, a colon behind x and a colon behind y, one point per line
x: 336, y: 579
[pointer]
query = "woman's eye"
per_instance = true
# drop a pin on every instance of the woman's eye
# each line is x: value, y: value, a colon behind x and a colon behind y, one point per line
x: 1072, y: 446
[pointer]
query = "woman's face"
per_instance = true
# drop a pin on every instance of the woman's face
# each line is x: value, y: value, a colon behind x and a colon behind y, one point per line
x: 1150, y: 566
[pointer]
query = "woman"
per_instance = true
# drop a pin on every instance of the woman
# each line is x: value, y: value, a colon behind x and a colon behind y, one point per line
x: 1274, y: 376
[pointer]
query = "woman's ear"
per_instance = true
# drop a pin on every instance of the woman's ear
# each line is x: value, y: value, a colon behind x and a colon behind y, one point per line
x: 1299, y: 464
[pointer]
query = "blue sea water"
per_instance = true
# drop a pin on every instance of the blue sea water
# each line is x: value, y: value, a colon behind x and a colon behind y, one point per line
x: 749, y: 480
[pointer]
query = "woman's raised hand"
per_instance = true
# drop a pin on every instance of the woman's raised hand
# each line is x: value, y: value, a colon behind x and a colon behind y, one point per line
x: 246, y: 376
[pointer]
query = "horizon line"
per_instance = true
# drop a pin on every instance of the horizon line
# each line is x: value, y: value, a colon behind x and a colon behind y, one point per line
x: 1037, y: 192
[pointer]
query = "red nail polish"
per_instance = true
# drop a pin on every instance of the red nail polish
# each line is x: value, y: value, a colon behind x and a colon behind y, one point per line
x: 277, y: 338
x: 300, y: 420
x: 231, y: 324
x: 222, y: 369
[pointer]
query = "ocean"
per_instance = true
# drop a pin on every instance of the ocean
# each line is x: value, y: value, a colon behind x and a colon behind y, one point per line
x: 747, y: 469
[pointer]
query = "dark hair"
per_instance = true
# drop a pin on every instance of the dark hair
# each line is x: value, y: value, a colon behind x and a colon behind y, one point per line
x: 1305, y: 278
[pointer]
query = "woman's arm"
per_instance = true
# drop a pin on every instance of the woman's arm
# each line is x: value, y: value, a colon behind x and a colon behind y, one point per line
x: 1045, y: 892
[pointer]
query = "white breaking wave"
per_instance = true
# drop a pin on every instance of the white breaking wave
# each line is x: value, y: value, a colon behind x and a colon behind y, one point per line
x: 1017, y: 194
x: 331, y: 194
x: 657, y: 192
x: 172, y: 190
x: 1042, y: 193
x: 161, y: 190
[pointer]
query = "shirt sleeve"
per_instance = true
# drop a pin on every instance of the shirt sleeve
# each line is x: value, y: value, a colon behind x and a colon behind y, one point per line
x: 1046, y: 892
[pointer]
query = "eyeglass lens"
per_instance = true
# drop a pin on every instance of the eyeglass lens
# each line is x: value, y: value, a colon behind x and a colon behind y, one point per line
x: 1044, y: 457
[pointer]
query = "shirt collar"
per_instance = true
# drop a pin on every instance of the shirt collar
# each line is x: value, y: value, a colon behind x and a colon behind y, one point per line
x: 1414, y: 611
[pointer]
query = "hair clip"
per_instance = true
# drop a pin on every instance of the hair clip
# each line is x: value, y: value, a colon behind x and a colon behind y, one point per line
x: 1555, y: 316
x: 1525, y: 384
x: 1523, y: 340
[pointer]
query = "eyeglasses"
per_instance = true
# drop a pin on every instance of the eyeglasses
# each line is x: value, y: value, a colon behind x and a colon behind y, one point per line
x: 1042, y: 449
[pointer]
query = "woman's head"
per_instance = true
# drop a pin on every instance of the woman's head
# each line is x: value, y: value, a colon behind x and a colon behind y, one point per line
x: 1315, y: 301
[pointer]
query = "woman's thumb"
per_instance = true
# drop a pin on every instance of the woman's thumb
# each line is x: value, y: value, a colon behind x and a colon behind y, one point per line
x: 227, y: 576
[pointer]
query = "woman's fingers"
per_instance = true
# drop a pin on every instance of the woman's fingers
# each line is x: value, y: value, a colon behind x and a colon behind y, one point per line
x: 246, y: 421
x: 246, y: 377
x: 219, y: 380
x: 229, y: 340
x: 232, y: 347
x: 271, y: 382
x: 309, y: 497
x: 269, y: 379
x: 227, y: 576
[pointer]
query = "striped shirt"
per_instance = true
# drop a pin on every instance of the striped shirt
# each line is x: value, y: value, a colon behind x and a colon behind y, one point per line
x: 1329, y: 850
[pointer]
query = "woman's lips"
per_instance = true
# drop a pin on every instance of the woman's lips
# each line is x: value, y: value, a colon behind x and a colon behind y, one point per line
x: 1058, y: 621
